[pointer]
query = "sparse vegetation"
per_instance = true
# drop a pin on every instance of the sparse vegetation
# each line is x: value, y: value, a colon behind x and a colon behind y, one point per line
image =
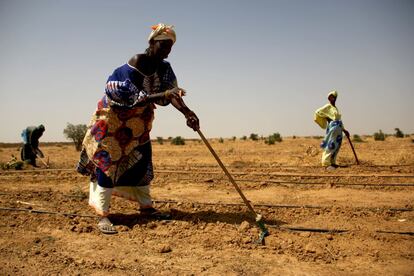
x: 254, y: 136
x: 244, y: 138
x: 233, y: 138
x: 12, y: 164
x: 160, y: 140
x: 356, y: 138
x: 76, y: 133
x: 178, y: 141
x: 398, y: 133
x: 221, y: 140
x: 379, y: 136
x: 275, y: 137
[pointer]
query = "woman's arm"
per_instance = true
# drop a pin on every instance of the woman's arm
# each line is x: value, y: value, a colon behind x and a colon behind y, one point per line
x: 192, y: 119
x: 175, y: 96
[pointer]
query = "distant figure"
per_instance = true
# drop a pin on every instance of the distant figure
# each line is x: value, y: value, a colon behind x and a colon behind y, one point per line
x: 117, y: 147
x: 30, y: 150
x: 329, y: 118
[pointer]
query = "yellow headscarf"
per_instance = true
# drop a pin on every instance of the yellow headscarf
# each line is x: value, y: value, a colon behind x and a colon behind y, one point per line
x: 333, y: 93
x: 162, y: 32
x: 327, y: 111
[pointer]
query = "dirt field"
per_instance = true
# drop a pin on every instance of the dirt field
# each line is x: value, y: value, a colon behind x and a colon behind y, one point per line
x: 357, y: 220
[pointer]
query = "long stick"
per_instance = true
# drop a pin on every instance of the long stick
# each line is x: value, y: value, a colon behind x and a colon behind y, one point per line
x: 227, y: 173
x: 353, y: 150
x: 258, y: 217
x: 43, y: 161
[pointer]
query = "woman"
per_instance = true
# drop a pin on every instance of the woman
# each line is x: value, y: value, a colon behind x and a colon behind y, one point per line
x: 329, y: 117
x: 30, y: 150
x: 117, y: 148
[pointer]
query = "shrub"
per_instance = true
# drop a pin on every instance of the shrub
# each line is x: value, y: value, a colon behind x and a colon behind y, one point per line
x: 233, y: 138
x: 12, y: 164
x: 379, y: 136
x: 160, y: 140
x: 399, y: 133
x: 254, y: 137
x: 76, y: 133
x: 221, y: 140
x: 275, y: 137
x: 270, y: 140
x: 356, y: 138
x: 244, y: 138
x: 178, y: 141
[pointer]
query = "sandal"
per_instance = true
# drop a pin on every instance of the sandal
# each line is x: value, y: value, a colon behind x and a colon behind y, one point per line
x: 155, y: 214
x: 106, y: 227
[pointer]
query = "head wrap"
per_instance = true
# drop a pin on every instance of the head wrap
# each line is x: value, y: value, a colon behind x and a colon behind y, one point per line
x: 41, y: 127
x: 162, y: 32
x: 333, y: 93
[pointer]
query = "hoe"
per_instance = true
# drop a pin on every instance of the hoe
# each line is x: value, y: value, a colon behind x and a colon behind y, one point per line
x: 264, y: 232
x: 353, y: 150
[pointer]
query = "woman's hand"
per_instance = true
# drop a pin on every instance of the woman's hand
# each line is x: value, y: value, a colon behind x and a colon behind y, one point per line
x: 192, y: 120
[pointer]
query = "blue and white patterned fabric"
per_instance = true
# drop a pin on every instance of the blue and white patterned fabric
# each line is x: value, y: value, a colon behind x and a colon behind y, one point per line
x: 124, y: 93
x: 332, y: 141
x: 128, y: 88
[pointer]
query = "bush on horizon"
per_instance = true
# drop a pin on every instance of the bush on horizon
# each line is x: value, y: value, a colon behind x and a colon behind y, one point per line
x: 160, y: 140
x: 179, y: 141
x: 254, y: 137
x: 379, y: 136
x: 398, y: 133
x: 76, y: 133
x: 356, y: 138
x: 275, y: 137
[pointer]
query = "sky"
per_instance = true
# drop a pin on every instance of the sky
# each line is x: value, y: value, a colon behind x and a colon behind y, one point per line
x: 247, y: 66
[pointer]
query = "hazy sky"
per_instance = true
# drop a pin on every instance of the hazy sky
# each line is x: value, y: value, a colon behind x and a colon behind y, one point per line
x: 248, y: 66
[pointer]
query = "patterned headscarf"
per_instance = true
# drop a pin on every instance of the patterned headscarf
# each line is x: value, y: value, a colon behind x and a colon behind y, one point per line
x: 162, y: 32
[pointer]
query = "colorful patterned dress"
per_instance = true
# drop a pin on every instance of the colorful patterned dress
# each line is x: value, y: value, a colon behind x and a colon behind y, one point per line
x: 117, y: 148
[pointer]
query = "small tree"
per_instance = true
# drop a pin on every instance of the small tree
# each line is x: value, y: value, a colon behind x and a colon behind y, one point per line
x: 254, y: 137
x: 379, y: 136
x: 160, y: 140
x: 178, y: 141
x: 399, y: 133
x: 275, y: 137
x: 356, y: 138
x: 76, y: 133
